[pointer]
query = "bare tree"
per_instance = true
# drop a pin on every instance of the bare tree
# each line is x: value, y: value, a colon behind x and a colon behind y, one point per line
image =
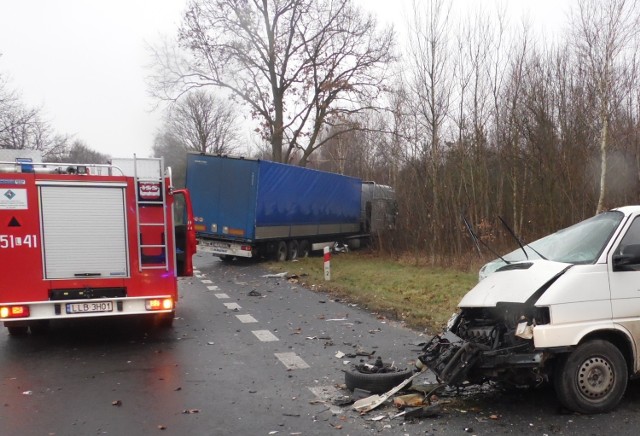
x: 430, y: 83
x: 299, y: 65
x: 204, y: 123
x: 22, y: 127
x: 603, y: 31
x: 172, y: 149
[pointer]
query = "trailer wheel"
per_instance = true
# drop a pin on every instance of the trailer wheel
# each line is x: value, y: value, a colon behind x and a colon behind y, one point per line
x: 304, y: 248
x: 292, y: 250
x: 592, y: 379
x: 281, y: 252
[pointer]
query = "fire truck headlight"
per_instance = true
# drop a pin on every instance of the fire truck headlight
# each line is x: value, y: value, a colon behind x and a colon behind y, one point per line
x: 159, y: 304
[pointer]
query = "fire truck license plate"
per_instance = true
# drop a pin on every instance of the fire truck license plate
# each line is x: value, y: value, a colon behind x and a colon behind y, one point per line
x: 102, y: 306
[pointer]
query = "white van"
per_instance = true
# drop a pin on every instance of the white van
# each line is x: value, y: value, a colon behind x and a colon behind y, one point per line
x: 567, y: 311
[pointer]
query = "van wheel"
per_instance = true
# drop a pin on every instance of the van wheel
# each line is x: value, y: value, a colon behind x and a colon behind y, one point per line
x: 592, y: 379
x: 304, y: 248
x: 281, y: 252
x: 292, y: 250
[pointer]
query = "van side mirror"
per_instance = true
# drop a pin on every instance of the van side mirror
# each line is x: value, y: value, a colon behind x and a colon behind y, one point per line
x: 628, y: 258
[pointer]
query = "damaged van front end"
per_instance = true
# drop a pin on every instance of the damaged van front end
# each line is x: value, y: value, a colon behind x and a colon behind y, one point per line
x: 493, y: 340
x: 567, y: 312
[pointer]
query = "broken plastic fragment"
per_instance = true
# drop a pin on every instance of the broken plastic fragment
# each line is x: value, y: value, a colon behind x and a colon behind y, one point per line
x: 340, y: 355
x: 275, y: 276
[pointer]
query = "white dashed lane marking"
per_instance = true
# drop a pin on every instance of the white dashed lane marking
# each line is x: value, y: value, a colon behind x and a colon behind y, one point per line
x: 232, y: 306
x: 265, y: 335
x: 206, y: 281
x: 221, y: 296
x: 291, y: 360
x: 213, y: 288
x: 246, y: 318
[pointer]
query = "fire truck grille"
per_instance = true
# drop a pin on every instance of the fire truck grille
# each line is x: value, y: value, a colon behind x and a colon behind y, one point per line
x: 76, y: 294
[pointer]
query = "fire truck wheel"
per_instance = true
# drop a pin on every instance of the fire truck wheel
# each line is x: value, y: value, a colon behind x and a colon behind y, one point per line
x: 18, y: 330
x: 292, y: 250
x: 593, y: 378
x: 39, y: 327
x: 165, y: 320
x: 304, y: 248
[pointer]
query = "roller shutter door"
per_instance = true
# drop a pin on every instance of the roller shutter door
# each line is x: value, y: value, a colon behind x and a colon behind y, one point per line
x: 84, y: 231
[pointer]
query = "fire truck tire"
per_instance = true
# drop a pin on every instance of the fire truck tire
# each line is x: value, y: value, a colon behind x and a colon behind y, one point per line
x: 376, y: 383
x: 592, y: 379
x: 165, y: 320
x: 39, y: 327
x: 292, y: 250
x: 304, y: 248
x: 281, y: 252
x: 18, y: 330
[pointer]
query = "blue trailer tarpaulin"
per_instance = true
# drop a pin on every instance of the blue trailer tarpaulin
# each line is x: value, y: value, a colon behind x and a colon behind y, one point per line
x: 247, y: 199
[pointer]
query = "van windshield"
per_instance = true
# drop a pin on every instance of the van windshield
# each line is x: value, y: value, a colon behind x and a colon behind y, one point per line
x: 581, y: 243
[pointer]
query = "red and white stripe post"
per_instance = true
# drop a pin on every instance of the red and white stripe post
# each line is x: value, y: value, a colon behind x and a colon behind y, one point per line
x: 327, y: 263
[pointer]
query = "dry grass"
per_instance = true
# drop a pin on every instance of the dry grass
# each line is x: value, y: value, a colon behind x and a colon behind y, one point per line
x: 422, y: 296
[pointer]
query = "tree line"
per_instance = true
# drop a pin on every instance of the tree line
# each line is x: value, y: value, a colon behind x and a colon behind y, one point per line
x: 464, y: 114
x: 470, y: 114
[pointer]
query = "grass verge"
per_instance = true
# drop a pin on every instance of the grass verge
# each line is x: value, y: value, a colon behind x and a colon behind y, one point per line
x: 422, y: 297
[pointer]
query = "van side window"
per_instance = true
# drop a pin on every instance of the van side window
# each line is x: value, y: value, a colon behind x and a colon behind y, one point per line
x: 629, y: 248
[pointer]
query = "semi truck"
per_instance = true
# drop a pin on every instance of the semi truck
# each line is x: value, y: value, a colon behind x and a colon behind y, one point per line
x: 87, y: 240
x: 258, y: 208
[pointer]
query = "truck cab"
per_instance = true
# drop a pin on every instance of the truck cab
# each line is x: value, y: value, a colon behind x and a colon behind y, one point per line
x: 565, y: 310
x: 87, y: 240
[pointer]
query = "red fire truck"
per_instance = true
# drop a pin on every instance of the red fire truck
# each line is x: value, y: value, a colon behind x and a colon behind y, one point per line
x: 81, y: 241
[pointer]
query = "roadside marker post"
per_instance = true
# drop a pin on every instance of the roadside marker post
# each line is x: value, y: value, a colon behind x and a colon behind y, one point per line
x: 327, y: 263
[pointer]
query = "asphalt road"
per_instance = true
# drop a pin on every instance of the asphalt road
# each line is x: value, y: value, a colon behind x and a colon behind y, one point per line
x: 248, y: 355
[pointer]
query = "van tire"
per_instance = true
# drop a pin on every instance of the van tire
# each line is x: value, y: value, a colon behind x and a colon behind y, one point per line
x: 376, y: 383
x: 591, y: 379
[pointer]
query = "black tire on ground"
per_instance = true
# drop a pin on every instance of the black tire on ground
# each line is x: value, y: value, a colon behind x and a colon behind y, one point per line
x: 40, y: 327
x: 226, y: 258
x: 165, y: 320
x: 17, y: 330
x: 592, y: 379
x: 292, y: 250
x: 304, y: 248
x: 374, y: 383
x: 281, y: 252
